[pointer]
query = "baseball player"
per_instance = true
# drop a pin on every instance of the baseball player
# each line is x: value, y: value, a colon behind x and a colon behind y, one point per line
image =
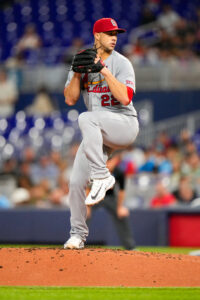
x: 106, y: 80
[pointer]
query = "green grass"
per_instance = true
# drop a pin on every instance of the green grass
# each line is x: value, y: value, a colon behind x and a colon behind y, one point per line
x: 29, y: 246
x: 71, y: 293
x: 77, y: 293
x: 175, y: 250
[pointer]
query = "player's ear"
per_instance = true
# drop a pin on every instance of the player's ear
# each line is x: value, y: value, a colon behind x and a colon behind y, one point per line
x: 97, y: 36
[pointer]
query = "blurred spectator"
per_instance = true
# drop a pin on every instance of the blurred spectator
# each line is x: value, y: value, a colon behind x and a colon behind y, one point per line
x: 165, y: 42
x: 185, y: 194
x: 168, y: 19
x: 76, y: 45
x: 26, y: 164
x: 46, y: 178
x: 30, y: 40
x: 4, y: 202
x: 20, y: 196
x: 10, y: 167
x: 140, y: 54
x: 184, y: 138
x: 9, y: 172
x: 134, y: 51
x: 147, y: 16
x: 15, y: 62
x: 197, y: 24
x: 182, y: 28
x: 58, y: 161
x: 14, y: 67
x: 190, y: 147
x: 176, y: 173
x: 29, y: 155
x: 40, y: 193
x: 8, y: 180
x: 149, y: 164
x: 174, y: 40
x: 42, y: 104
x: 166, y: 157
x: 163, y: 197
x: 163, y: 141
x: 153, y: 5
x: 46, y: 171
x: 192, y: 169
x: 59, y: 196
x: 132, y: 159
x: 163, y: 164
x: 24, y: 181
x: 8, y: 95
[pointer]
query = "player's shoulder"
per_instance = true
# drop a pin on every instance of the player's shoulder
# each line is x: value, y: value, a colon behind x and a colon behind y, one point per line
x: 120, y: 56
x: 121, y: 59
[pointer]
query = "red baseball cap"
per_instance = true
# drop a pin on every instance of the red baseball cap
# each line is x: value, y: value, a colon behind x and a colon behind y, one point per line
x: 106, y: 24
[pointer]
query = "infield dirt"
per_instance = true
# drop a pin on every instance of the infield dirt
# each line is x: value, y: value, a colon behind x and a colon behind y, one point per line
x: 96, y: 267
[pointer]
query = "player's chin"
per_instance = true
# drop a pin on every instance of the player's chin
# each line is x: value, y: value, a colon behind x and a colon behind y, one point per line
x: 111, y: 48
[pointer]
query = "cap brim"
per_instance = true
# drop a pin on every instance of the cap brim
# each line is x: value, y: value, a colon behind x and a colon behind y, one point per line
x: 119, y: 30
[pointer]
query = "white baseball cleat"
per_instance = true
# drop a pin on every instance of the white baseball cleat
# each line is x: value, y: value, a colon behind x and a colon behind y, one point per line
x: 99, y: 189
x: 74, y: 242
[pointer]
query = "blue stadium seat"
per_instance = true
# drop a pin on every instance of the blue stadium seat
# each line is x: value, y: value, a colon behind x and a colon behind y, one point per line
x: 63, y: 19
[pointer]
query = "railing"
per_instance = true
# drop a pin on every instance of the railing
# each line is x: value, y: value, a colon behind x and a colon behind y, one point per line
x: 172, y: 126
x: 162, y: 76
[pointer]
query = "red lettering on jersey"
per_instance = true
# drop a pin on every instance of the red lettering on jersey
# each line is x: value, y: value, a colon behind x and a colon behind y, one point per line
x: 98, y: 89
x: 106, y: 100
x: 129, y: 82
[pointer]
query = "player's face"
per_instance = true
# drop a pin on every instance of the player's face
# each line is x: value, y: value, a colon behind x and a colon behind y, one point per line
x: 108, y: 40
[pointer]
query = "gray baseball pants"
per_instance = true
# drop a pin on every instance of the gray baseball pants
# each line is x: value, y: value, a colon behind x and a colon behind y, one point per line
x: 103, y: 132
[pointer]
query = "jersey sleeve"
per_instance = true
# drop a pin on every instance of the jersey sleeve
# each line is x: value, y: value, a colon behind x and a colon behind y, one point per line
x: 126, y: 74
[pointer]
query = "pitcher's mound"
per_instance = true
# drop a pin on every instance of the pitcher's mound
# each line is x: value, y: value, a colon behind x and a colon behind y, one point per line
x: 96, y: 267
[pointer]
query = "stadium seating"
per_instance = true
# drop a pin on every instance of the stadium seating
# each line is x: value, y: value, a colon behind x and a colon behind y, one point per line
x: 58, y: 21
x: 56, y: 132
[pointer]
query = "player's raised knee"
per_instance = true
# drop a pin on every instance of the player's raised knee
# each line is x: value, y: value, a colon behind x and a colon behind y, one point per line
x: 83, y: 119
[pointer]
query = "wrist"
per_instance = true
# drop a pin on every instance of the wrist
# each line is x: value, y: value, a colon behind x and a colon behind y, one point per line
x: 77, y: 75
x: 104, y: 71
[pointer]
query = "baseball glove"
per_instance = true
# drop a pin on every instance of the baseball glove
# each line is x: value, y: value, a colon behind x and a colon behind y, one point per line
x: 83, y: 62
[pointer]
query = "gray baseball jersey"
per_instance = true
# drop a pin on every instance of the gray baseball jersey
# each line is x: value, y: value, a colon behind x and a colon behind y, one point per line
x: 95, y: 90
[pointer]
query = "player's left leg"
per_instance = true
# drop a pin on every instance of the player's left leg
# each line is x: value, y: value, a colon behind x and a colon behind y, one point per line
x: 79, y: 179
x: 78, y: 182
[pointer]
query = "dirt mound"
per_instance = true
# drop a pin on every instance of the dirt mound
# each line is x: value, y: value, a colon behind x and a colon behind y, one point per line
x: 96, y: 267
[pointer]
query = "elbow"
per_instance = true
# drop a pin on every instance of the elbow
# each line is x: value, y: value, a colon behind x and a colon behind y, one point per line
x: 129, y: 96
x: 69, y: 101
x: 126, y: 101
x: 126, y: 96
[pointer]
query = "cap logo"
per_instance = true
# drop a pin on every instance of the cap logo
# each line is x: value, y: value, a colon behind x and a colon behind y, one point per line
x: 113, y: 22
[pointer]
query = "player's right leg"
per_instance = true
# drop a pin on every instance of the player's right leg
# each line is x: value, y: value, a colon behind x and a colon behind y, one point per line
x: 99, y: 128
x: 97, y: 156
x: 78, y: 182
